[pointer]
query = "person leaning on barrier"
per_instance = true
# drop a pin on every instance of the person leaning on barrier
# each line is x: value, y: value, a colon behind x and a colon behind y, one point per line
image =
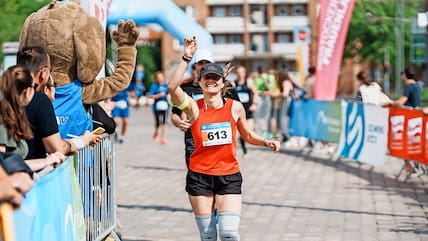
x: 214, y: 174
x: 9, y: 193
x: 40, y: 111
x: 19, y: 172
x: 17, y: 88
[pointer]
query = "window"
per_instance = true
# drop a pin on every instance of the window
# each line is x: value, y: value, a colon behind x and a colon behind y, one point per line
x: 298, y: 10
x: 281, y: 10
x: 235, y: 11
x: 219, y: 12
x: 219, y: 39
x: 283, y: 38
x: 236, y: 38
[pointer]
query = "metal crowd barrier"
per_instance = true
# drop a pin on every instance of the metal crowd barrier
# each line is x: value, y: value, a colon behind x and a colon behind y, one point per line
x: 95, y: 167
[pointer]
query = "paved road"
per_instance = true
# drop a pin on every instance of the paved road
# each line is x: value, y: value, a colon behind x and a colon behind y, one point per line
x: 294, y: 195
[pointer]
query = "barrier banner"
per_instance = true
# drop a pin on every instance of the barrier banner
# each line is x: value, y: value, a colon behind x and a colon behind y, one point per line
x: 405, y: 138
x: 298, y: 123
x: 424, y: 158
x: 396, y: 132
x: 334, y: 19
x: 52, y: 210
x: 326, y: 119
x: 415, y: 145
x: 364, y: 134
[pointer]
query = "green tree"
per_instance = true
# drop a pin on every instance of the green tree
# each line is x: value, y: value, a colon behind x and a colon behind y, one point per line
x: 12, y: 16
x: 372, y: 30
x: 150, y: 56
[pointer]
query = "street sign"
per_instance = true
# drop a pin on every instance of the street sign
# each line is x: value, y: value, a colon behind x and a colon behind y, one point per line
x: 302, y: 35
x: 417, y: 49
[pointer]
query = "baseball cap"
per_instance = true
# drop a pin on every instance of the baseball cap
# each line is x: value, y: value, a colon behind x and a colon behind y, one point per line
x: 203, y: 54
x: 212, y: 68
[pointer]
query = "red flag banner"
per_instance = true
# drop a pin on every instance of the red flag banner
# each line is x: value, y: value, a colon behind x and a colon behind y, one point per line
x: 407, y: 134
x: 334, y: 19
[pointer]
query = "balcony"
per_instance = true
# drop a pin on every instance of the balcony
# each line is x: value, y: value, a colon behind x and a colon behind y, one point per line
x: 287, y: 23
x: 287, y: 49
x: 225, y: 52
x: 225, y: 24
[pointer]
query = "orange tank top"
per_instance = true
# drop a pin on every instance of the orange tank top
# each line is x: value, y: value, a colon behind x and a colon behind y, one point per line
x: 214, y: 134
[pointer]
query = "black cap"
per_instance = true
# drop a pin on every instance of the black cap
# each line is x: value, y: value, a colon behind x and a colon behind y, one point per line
x: 212, y: 68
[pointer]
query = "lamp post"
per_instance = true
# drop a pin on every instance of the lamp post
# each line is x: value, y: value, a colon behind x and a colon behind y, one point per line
x: 400, y: 40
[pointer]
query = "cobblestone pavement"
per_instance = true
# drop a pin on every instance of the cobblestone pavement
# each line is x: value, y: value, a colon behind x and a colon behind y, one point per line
x: 294, y: 195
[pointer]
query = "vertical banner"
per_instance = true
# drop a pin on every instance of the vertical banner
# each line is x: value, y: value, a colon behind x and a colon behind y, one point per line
x: 334, y: 19
x: 365, y: 133
x: 98, y: 9
x: 302, y: 39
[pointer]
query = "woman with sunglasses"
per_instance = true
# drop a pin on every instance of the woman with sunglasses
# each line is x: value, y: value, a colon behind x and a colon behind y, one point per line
x: 214, y: 176
x: 18, y: 90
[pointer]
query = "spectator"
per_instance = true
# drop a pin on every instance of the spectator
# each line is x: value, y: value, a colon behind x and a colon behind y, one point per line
x: 310, y: 82
x: 370, y: 92
x: 40, y: 112
x: 18, y: 89
x: 286, y: 91
x: 411, y: 96
x: 8, y: 192
x: 264, y: 83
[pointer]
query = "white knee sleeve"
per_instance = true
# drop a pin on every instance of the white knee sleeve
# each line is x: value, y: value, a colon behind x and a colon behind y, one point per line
x: 228, y: 225
x: 207, y: 227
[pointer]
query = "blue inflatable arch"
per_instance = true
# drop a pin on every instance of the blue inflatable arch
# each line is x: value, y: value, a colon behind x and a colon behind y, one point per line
x: 163, y: 12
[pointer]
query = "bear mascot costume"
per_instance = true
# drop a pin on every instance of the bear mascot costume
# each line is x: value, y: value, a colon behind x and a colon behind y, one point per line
x: 76, y: 44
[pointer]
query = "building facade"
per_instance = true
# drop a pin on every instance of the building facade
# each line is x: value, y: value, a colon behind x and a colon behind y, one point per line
x: 249, y: 32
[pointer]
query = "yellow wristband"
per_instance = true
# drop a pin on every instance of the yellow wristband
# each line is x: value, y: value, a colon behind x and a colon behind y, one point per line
x: 185, y: 103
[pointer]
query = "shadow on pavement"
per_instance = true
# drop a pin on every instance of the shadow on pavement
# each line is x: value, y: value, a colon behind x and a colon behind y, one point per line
x: 156, y: 207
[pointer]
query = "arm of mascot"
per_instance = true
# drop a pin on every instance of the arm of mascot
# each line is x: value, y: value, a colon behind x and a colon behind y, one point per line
x: 125, y: 36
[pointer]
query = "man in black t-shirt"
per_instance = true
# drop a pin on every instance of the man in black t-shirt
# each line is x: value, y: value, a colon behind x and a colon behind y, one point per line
x: 40, y: 111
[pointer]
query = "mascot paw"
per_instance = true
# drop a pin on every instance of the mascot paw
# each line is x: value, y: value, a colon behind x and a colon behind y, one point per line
x: 126, y: 34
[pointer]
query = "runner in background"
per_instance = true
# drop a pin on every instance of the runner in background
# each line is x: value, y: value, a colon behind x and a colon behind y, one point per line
x: 248, y: 96
x: 158, y: 92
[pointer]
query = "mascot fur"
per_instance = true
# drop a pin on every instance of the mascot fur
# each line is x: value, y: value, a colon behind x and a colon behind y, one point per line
x: 76, y: 45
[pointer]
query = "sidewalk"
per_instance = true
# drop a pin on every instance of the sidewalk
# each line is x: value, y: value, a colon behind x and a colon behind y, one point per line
x: 293, y: 195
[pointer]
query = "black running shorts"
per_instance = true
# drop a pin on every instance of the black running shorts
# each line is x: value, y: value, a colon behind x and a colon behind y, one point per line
x: 198, y: 184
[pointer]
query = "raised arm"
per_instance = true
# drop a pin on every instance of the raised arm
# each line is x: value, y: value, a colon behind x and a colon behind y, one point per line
x: 179, y: 98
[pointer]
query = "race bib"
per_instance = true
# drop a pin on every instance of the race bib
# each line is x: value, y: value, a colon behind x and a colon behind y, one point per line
x: 121, y: 104
x: 162, y: 105
x: 216, y: 134
x: 244, y: 97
